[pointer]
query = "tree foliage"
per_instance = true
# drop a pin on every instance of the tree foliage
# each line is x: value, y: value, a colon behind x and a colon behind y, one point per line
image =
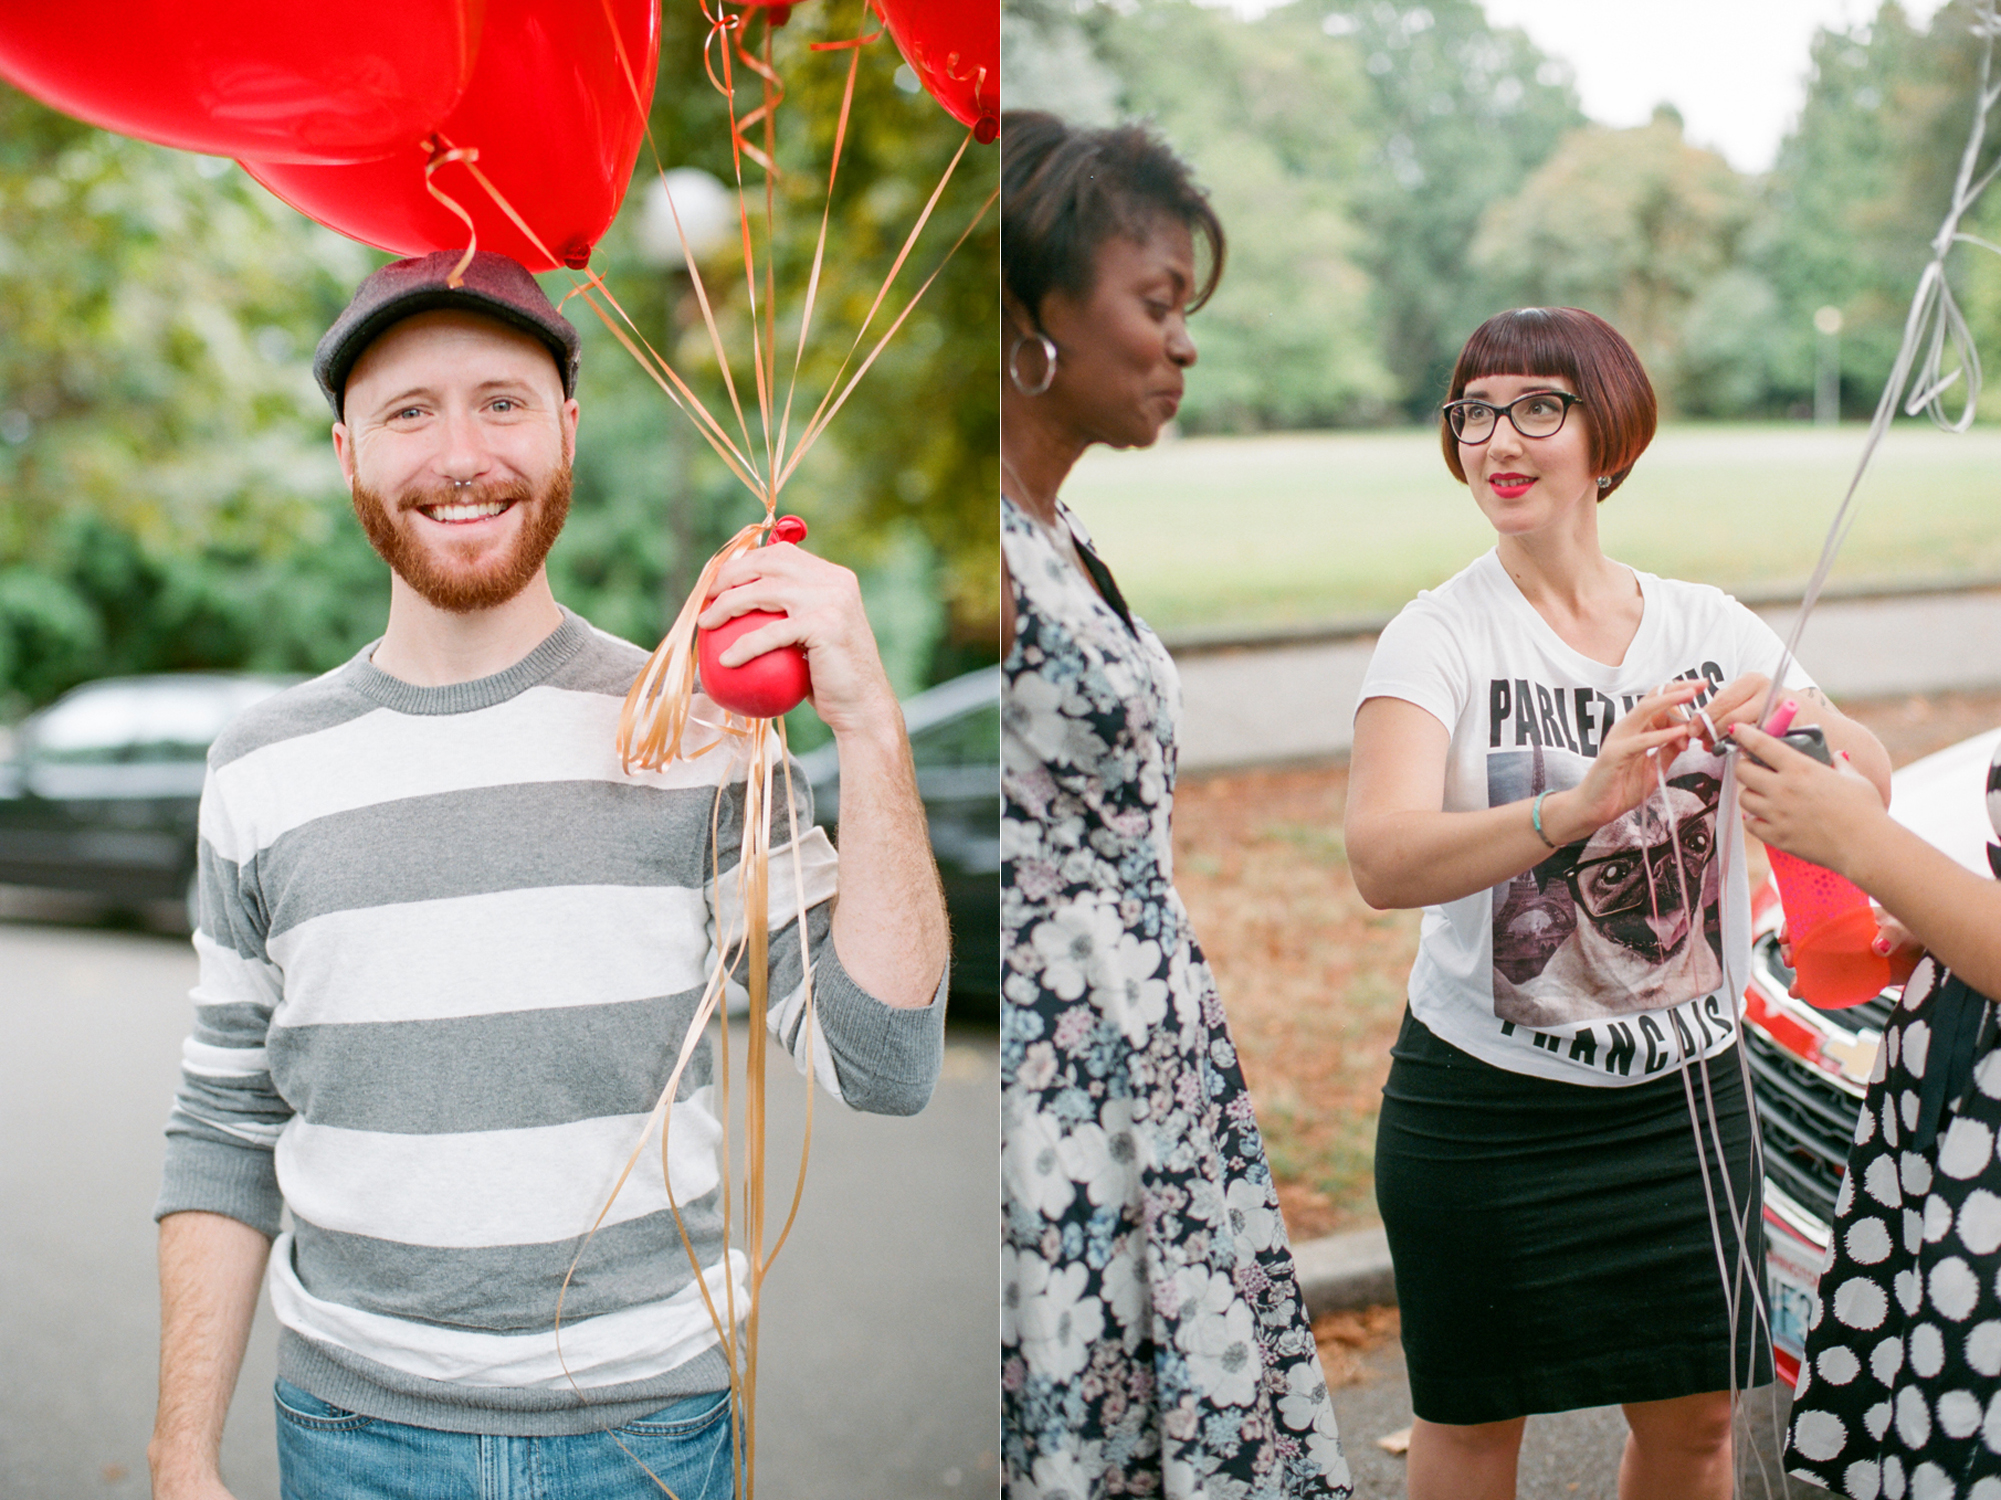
x: 1271, y: 117
x: 905, y: 487
x: 1394, y: 171
x: 1634, y: 225
x: 1465, y: 111
x: 1860, y: 188
x: 162, y: 445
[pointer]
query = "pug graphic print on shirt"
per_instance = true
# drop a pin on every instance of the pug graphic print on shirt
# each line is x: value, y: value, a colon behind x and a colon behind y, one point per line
x: 1604, y: 963
x: 1630, y: 919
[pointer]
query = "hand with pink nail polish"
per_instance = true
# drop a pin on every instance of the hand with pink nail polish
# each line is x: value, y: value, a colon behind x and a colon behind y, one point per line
x: 1894, y: 941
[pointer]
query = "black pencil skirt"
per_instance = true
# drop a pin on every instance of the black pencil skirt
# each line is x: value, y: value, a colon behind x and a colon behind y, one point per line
x: 1552, y: 1242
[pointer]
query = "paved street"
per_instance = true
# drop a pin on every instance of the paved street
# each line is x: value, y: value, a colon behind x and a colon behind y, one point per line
x: 1572, y: 1456
x: 878, y: 1362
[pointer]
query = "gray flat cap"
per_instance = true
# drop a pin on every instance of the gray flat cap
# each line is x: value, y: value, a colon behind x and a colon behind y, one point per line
x: 494, y: 284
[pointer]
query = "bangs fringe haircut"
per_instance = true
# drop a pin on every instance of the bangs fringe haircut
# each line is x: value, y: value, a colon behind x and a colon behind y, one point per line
x: 1582, y: 348
x: 1065, y: 191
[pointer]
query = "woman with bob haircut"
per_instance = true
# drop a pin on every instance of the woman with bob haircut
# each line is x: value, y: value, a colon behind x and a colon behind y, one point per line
x: 1536, y: 765
x: 1153, y: 1337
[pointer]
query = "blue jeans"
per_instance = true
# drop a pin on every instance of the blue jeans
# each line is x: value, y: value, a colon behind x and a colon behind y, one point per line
x: 325, y: 1453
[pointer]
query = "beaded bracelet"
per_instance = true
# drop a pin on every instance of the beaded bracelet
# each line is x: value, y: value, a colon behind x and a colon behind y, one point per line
x: 1535, y: 817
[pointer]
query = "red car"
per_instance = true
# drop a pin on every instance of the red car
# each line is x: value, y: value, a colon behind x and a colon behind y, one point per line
x: 1810, y: 1068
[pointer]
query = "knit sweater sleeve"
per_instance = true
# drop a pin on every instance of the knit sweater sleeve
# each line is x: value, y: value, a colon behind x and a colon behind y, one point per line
x: 224, y: 1125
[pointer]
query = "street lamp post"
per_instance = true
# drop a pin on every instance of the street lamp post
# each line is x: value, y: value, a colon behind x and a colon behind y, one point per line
x: 1827, y: 381
x: 689, y: 214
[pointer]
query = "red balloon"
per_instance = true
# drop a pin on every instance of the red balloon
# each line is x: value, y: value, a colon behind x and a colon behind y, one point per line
x: 290, y: 83
x: 556, y: 125
x: 953, y: 46
x: 763, y: 687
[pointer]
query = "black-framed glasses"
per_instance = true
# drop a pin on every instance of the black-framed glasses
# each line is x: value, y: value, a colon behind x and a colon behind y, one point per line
x: 1629, y: 879
x: 1538, y: 414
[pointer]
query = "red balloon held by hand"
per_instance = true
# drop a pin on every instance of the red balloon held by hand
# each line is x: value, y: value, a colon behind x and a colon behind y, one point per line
x: 555, y: 121
x: 953, y: 46
x: 762, y: 688
x: 766, y: 686
x: 290, y: 83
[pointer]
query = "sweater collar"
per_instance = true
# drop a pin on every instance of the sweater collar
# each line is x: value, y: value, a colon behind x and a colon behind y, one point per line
x: 554, y: 650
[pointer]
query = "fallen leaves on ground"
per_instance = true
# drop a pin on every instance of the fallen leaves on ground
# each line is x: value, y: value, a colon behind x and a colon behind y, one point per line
x: 1313, y: 980
x: 1344, y: 1337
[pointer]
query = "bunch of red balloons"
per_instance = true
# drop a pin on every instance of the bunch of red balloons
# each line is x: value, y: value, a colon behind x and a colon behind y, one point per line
x: 953, y: 46
x: 339, y: 110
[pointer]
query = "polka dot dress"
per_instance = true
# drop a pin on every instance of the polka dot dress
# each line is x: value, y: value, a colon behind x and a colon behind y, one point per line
x: 1900, y: 1390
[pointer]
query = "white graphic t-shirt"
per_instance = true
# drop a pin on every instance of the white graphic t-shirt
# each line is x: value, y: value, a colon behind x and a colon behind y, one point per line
x: 1603, y: 964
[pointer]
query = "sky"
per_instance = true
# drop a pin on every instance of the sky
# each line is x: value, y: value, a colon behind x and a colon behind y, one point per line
x: 1736, y: 69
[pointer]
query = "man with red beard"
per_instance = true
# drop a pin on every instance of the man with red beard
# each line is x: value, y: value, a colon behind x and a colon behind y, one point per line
x: 449, y: 949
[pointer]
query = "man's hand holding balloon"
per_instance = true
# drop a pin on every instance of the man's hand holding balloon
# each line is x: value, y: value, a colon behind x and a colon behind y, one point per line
x: 819, y: 609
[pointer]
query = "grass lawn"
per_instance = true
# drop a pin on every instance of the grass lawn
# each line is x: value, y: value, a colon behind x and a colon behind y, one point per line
x: 1305, y: 527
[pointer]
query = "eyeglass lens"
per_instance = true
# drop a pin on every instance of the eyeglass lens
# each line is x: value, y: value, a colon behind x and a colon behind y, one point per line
x: 1537, y: 414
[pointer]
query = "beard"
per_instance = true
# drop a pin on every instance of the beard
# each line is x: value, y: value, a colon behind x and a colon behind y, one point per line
x: 451, y: 576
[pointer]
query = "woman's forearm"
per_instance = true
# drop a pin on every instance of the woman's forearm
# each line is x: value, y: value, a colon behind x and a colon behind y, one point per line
x: 1955, y: 913
x: 1837, y: 820
x: 1405, y: 850
x: 1410, y: 859
x: 1865, y: 752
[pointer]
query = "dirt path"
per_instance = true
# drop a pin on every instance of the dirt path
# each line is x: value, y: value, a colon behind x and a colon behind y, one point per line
x: 1314, y: 980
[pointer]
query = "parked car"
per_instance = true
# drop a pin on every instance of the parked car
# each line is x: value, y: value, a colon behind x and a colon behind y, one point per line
x: 99, y: 792
x: 955, y: 740
x: 1810, y: 1068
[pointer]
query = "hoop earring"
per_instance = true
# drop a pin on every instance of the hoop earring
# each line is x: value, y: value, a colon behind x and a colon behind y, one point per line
x: 1048, y: 355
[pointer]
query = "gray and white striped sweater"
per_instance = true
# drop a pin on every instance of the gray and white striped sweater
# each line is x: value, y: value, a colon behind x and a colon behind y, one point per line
x: 449, y: 951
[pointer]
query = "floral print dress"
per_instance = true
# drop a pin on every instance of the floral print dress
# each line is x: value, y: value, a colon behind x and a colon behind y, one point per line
x: 1153, y: 1338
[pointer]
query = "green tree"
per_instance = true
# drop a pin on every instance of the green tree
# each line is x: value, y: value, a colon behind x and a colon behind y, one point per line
x: 1352, y: 146
x: 1272, y: 115
x: 909, y: 502
x: 1464, y: 113
x: 1859, y: 190
x: 163, y: 448
x: 1053, y: 65
x: 1634, y: 225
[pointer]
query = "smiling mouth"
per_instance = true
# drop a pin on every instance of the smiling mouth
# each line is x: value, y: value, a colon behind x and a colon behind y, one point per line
x: 1510, y: 484
x: 458, y: 512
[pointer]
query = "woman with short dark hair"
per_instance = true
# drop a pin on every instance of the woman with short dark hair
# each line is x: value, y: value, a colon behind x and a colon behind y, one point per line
x: 1153, y: 1337
x: 1564, y: 1096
